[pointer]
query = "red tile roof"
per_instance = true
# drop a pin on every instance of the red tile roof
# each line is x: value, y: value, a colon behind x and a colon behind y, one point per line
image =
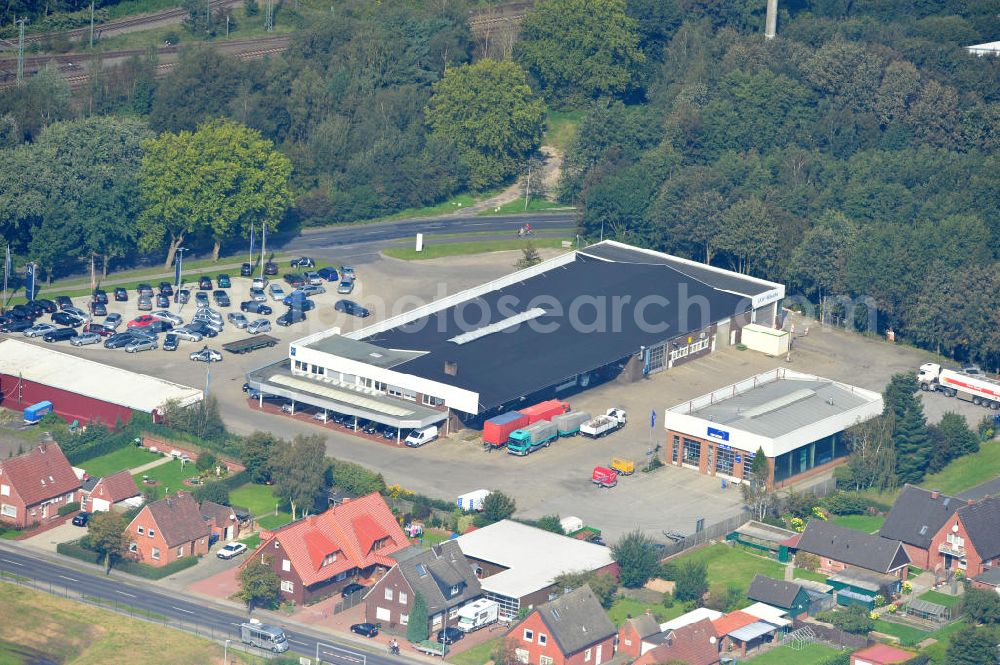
x: 883, y: 654
x: 178, y: 519
x: 39, y: 474
x: 116, y: 487
x: 351, y: 528
x: 694, y: 644
x: 733, y: 621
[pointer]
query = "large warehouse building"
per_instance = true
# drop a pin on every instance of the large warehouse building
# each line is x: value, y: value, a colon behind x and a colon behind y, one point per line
x: 80, y: 389
x: 568, y: 323
x: 797, y: 419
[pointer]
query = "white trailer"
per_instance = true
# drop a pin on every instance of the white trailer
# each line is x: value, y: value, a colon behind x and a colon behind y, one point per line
x: 612, y: 421
x: 477, y: 614
x: 472, y: 500
x: 976, y: 388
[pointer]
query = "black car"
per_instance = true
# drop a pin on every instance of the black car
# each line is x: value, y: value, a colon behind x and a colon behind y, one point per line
x: 81, y: 519
x: 35, y: 309
x: 303, y: 262
x: 246, y: 270
x: 121, y: 295
x: 351, y: 588
x: 223, y: 281
x: 15, y: 325
x: 170, y: 342
x: 449, y: 635
x: 270, y: 268
x: 100, y: 296
x: 205, y: 283
x: 162, y: 301
x: 221, y: 298
x: 22, y: 312
x: 119, y: 340
x: 167, y: 289
x: 144, y: 290
x: 202, y: 329
x: 352, y: 308
x: 183, y: 296
x: 159, y: 326
x: 67, y: 319
x: 50, y: 307
x: 98, y: 309
x: 255, y: 307
x: 290, y: 317
x: 294, y: 280
x: 304, y: 305
x: 64, y: 302
x: 329, y: 274
x: 366, y: 629
x: 59, y: 335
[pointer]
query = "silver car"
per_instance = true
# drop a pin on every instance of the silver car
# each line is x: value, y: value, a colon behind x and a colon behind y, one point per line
x: 39, y: 329
x: 188, y: 335
x: 312, y: 289
x: 277, y: 293
x: 238, y: 319
x: 85, y: 338
x: 258, y: 283
x: 113, y: 320
x: 77, y: 312
x: 258, y: 295
x: 164, y: 315
x: 217, y: 326
x: 346, y: 286
x: 258, y: 326
x: 141, y: 344
x: 313, y: 277
x: 208, y: 313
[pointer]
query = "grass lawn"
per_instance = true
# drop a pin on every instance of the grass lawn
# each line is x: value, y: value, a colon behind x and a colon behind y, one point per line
x: 170, y: 476
x: 434, y: 251
x: 941, y: 598
x: 478, y: 654
x: 560, y: 128
x: 803, y: 574
x: 271, y: 522
x: 908, y: 635
x: 810, y: 654
x: 961, y: 474
x: 252, y: 541
x: 534, y: 205
x: 731, y: 567
x: 258, y: 499
x: 65, y: 631
x: 128, y: 457
x: 865, y: 523
x: 454, y: 204
x: 626, y: 607
x: 434, y: 537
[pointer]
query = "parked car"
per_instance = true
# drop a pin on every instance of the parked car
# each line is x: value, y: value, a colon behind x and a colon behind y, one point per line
x: 165, y: 315
x: 230, y: 550
x: 221, y: 298
x: 276, y: 292
x: 312, y: 289
x: 99, y: 329
x: 64, y: 301
x: 258, y: 326
x: 313, y: 277
x: 201, y: 328
x: 210, y: 324
x: 183, y: 296
x: 449, y: 635
x: 141, y: 321
x: 255, y: 307
x: 302, y: 262
x: 98, y: 309
x: 162, y: 300
x: 39, y: 329
x: 118, y: 340
x: 171, y: 341
x: 366, y: 629
x: 145, y: 303
x: 290, y: 317
x: 209, y: 314
x: 77, y: 312
x: 187, y: 333
x: 100, y: 295
x: 49, y: 306
x: 201, y: 299
x: 67, y: 319
x: 84, y: 339
x: 258, y: 295
x: 351, y: 588
x: 81, y: 518
x: 144, y: 290
x: 329, y: 274
x: 238, y: 320
x: 113, y: 320
x: 258, y: 283
x: 346, y: 286
x: 270, y: 268
x: 22, y: 312
x: 205, y: 283
x: 206, y: 355
x: 59, y: 335
x: 294, y: 280
x: 159, y: 326
x: 140, y: 344
x: 223, y: 281
x: 15, y: 325
x: 121, y: 295
x: 304, y: 305
x: 33, y: 306
x: 347, y: 272
x: 352, y: 308
x: 246, y: 270
x: 166, y: 288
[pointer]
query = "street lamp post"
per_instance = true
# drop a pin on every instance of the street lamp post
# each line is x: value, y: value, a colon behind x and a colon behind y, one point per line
x: 180, y: 266
x: 225, y: 653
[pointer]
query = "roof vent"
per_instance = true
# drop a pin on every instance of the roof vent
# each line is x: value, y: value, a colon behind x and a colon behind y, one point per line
x: 923, y: 530
x: 946, y: 501
x: 450, y: 367
x: 375, y: 354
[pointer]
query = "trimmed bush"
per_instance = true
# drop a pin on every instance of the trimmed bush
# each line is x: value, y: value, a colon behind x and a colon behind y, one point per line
x: 71, y: 507
x: 843, y: 503
x: 76, y: 550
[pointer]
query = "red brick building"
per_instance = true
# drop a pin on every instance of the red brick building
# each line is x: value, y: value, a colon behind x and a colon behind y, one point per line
x: 970, y: 540
x: 570, y: 630
x: 101, y: 494
x: 633, y: 631
x: 916, y: 518
x: 694, y: 644
x: 33, y: 486
x: 319, y: 555
x: 167, y: 530
x: 840, y: 549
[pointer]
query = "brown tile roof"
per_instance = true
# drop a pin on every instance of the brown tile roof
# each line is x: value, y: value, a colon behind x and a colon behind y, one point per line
x: 116, y: 487
x: 39, y: 474
x: 178, y: 519
x: 694, y: 644
x: 219, y: 514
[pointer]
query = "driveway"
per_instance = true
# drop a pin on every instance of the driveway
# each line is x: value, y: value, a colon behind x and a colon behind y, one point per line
x: 47, y: 540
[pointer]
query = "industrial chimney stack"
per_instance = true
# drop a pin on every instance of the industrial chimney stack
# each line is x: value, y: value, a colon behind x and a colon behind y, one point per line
x: 771, y: 22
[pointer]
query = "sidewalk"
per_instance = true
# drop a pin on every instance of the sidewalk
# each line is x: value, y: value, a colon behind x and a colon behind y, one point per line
x: 150, y: 465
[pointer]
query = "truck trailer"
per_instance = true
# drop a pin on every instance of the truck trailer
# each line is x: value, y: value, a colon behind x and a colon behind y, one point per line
x: 568, y: 424
x: 250, y: 344
x: 545, y: 410
x: 531, y: 438
x: 497, y: 429
x: 976, y: 388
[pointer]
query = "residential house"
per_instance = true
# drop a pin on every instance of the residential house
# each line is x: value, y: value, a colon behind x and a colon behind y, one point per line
x: 102, y: 494
x: 223, y: 521
x: 988, y: 579
x: 788, y: 596
x: 688, y: 618
x: 880, y: 654
x: 441, y: 575
x: 167, y: 530
x: 693, y: 644
x: 917, y: 516
x: 35, y: 485
x: 840, y: 549
x: 633, y: 631
x: 573, y: 629
x: 320, y: 554
x: 516, y: 564
x: 742, y: 633
x: 970, y: 540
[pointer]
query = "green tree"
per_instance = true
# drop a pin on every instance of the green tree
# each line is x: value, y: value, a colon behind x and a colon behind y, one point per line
x: 299, y: 470
x: 259, y: 585
x: 551, y: 523
x: 692, y: 581
x: 853, y: 619
x: 971, y: 646
x: 872, y: 462
x: 756, y: 490
x: 356, y: 479
x: 255, y: 453
x: 106, y: 534
x: 206, y: 461
x: 216, y: 180
x: 580, y: 49
x: 529, y: 256
x: 215, y: 491
x: 982, y: 606
x: 961, y: 439
x: 911, y: 438
x: 749, y: 236
x: 635, y: 554
x: 199, y: 88
x: 489, y: 112
x: 603, y: 585
x: 416, y: 628
x: 498, y: 506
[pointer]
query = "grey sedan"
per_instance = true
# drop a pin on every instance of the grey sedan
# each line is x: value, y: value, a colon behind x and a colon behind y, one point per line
x: 188, y: 335
x: 141, y: 344
x: 85, y: 338
x: 238, y: 319
x: 258, y: 326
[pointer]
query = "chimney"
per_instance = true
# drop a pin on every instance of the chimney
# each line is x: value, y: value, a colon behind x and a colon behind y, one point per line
x: 970, y: 502
x: 935, y: 494
x: 450, y: 367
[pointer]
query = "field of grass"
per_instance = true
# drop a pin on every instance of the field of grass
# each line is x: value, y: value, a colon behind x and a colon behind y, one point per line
x: 941, y: 598
x: 433, y: 251
x: 478, y: 654
x: 126, y: 458
x: 811, y: 654
x: 865, y: 523
x: 271, y: 522
x: 803, y: 574
x: 170, y: 476
x: 630, y: 607
x: 731, y: 567
x: 534, y: 205
x: 258, y: 499
x: 560, y: 128
x: 252, y: 541
x: 908, y: 635
x: 452, y: 205
x: 960, y: 475
x: 72, y: 633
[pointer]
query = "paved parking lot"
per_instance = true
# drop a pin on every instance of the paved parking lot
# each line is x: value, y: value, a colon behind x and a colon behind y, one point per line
x: 555, y: 480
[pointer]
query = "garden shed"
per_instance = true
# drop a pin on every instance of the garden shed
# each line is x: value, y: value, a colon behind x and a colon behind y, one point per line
x: 763, y: 539
x: 924, y: 609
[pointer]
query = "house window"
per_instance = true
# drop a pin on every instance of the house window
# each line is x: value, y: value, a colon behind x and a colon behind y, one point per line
x: 522, y: 655
x: 529, y: 636
x: 287, y: 586
x: 544, y: 660
x: 340, y: 577
x: 543, y: 638
x: 8, y: 510
x: 388, y: 593
x: 402, y: 598
x: 430, y: 400
x: 276, y: 544
x: 4, y: 490
x: 151, y: 533
x: 286, y: 565
x: 180, y: 551
x: 586, y: 656
x: 141, y: 530
x: 379, y: 386
x: 132, y: 547
x: 404, y: 619
x: 383, y: 614
x: 155, y: 553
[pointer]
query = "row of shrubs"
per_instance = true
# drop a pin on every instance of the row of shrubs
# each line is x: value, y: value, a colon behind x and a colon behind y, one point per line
x: 78, y: 550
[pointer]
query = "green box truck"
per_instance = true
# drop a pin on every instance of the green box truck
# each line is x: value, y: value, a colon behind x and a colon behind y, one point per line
x: 531, y: 438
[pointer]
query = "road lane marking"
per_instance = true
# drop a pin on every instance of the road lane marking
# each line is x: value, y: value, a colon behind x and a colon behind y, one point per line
x: 68, y: 578
x: 130, y: 595
x: 305, y: 644
x: 180, y: 609
x: 16, y: 563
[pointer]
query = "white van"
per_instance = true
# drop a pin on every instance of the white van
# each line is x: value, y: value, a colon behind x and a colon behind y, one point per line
x: 419, y: 437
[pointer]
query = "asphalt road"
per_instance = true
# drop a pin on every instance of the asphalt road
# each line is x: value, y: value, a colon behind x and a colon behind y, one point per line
x: 222, y: 623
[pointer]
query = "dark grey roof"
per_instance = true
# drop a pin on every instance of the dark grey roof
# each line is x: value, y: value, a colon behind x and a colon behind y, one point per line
x: 989, y: 576
x: 917, y: 516
x: 645, y: 625
x: 773, y: 592
x: 990, y: 487
x: 505, y: 366
x: 361, y: 351
x: 982, y: 523
x: 89, y: 483
x: 576, y: 620
x: 852, y: 547
x: 434, y: 572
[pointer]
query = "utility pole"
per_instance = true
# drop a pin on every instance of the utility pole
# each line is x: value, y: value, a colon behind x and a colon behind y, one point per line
x: 771, y: 20
x: 208, y: 16
x: 20, y: 50
x: 527, y: 186
x: 268, y: 16
x: 227, y: 26
x: 263, y: 240
x: 91, y: 23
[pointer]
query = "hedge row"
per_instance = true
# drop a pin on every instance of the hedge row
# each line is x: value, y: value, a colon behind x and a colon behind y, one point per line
x: 77, y: 551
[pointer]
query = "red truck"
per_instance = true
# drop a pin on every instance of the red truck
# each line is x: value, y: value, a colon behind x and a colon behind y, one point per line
x: 604, y: 477
x: 496, y: 430
x: 545, y: 410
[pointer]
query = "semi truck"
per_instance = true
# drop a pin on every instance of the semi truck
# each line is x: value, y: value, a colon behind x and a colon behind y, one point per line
x: 531, y: 438
x: 612, y: 421
x: 497, y: 429
x: 545, y: 410
x: 965, y: 385
x: 568, y: 424
x: 478, y: 614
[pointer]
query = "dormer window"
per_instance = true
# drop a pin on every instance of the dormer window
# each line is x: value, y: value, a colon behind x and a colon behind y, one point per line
x: 329, y: 558
x: 381, y: 543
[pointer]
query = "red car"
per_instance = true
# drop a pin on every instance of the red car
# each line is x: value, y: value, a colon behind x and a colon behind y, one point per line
x: 142, y: 321
x: 101, y: 330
